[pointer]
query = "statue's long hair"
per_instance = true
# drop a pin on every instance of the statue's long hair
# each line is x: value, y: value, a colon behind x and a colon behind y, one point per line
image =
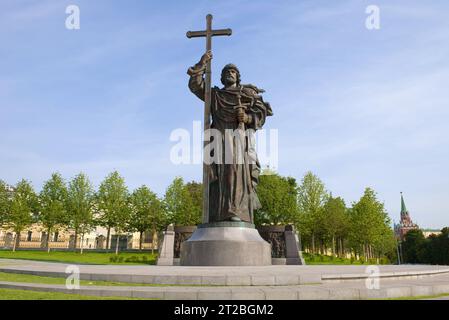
x: 227, y: 67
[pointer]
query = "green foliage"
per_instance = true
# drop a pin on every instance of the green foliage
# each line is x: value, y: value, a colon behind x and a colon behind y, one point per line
x: 278, y: 199
x: 53, y: 203
x: 132, y: 259
x: 146, y: 211
x: 312, y: 196
x: 334, y: 220
x: 370, y: 224
x: 195, y: 190
x: 179, y: 204
x: 113, y: 202
x: 80, y: 204
x: 335, y: 217
x: 5, y: 203
x: 433, y: 250
x: 318, y: 259
x: 23, y: 207
x: 324, y: 222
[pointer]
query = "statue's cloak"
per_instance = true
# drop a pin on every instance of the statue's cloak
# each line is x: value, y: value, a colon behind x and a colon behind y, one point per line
x: 234, y: 174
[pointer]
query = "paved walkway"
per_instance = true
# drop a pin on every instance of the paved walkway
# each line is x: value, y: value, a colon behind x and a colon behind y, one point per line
x: 248, y: 283
x: 245, y: 276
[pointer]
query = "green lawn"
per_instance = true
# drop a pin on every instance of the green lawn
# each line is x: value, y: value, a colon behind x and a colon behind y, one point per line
x: 321, y: 259
x: 418, y: 297
x: 28, y: 278
x: 137, y: 258
x: 12, y: 294
x: 85, y: 258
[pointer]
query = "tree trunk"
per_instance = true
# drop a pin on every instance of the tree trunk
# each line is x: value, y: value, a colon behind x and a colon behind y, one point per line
x: 341, y: 247
x: 82, y: 242
x: 107, y: 238
x: 140, y: 240
x: 333, y: 245
x: 368, y: 250
x: 16, y: 240
x: 47, y: 244
x: 313, y: 243
x: 116, y: 244
x: 152, y: 239
x: 76, y: 239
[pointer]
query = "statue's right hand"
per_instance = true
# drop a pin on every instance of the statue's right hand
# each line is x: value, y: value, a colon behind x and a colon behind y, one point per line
x: 206, y: 57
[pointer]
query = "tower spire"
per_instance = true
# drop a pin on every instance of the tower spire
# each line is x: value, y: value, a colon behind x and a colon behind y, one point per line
x: 406, y: 224
x: 403, y: 207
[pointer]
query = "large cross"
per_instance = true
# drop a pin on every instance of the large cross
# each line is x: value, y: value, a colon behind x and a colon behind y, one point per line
x: 208, y: 34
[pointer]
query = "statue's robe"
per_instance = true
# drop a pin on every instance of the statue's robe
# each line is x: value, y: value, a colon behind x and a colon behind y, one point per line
x: 233, y: 176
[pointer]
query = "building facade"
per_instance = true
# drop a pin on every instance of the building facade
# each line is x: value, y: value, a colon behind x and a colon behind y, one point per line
x: 35, y: 237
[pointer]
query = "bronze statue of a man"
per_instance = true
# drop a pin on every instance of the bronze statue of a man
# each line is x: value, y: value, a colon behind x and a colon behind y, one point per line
x: 234, y: 108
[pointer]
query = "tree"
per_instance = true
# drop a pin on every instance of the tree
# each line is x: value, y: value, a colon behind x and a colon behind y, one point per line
x: 5, y: 203
x: 195, y: 190
x: 433, y: 250
x: 179, y: 204
x: 80, y: 206
x: 369, y: 223
x: 278, y: 197
x: 312, y: 196
x: 412, y: 245
x: 23, y: 208
x: 146, y: 212
x: 113, y: 203
x: 335, y: 222
x: 53, y: 200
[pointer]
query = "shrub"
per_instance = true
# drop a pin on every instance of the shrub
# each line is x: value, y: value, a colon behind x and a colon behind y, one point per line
x: 132, y: 259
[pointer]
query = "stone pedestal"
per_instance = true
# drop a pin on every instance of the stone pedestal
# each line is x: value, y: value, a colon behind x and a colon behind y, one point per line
x: 166, y: 249
x: 285, y: 248
x: 226, y: 244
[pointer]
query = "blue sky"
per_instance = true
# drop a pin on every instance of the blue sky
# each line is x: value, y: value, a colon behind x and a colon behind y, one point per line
x: 357, y: 107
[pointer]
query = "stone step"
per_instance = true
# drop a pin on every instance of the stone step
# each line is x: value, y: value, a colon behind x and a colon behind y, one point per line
x: 320, y: 292
x: 226, y: 279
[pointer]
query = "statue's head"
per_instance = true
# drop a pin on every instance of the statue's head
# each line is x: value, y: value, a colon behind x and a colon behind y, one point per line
x: 230, y: 75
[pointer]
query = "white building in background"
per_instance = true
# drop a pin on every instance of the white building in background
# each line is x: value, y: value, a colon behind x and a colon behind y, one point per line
x: 34, y: 237
x: 430, y: 232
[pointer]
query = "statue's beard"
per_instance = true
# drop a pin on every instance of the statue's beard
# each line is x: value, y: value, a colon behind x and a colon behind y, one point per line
x: 230, y: 82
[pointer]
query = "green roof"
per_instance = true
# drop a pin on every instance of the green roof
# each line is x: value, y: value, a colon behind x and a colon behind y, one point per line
x: 403, y: 208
